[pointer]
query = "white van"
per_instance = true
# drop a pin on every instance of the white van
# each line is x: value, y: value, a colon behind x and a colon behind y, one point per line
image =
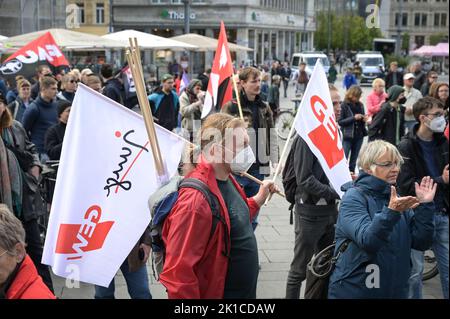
x: 310, y: 59
x: 370, y: 62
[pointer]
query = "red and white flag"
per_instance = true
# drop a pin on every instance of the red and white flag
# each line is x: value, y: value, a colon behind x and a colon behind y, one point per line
x: 220, y: 89
x: 43, y: 50
x: 316, y: 124
x: 105, y: 177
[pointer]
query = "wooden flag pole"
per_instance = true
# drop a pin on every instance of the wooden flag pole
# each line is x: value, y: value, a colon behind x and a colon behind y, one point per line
x: 238, y: 97
x: 134, y: 63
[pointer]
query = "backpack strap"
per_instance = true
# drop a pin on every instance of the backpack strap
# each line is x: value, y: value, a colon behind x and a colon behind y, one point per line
x: 210, y: 197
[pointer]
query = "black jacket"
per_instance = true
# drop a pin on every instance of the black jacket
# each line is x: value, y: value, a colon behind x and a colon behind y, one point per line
x: 54, y: 139
x: 384, y: 124
x: 389, y: 79
x: 349, y: 126
x: 114, y: 90
x: 205, y: 80
x: 312, y: 182
x: 414, y: 167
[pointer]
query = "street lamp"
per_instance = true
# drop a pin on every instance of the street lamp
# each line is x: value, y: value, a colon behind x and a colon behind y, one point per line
x: 187, y: 15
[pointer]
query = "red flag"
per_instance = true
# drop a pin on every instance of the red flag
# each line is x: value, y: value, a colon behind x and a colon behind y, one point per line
x: 40, y: 51
x: 220, y: 89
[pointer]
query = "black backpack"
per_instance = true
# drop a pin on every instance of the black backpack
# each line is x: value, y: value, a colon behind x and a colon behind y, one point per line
x: 289, y: 179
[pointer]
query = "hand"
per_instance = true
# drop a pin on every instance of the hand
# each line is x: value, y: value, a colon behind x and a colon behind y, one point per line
x: 445, y: 174
x: 201, y: 96
x: 366, y: 118
x: 426, y: 190
x: 354, y: 176
x: 35, y: 171
x: 400, y: 204
x: 265, y: 190
x: 146, y: 249
x: 359, y: 117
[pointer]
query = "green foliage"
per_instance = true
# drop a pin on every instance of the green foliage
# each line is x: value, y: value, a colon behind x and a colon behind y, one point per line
x: 402, y: 61
x: 437, y: 38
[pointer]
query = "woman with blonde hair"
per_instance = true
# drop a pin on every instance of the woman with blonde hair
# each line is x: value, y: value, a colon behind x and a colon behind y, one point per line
x: 352, y: 121
x: 376, y: 229
x: 69, y: 84
x: 377, y: 97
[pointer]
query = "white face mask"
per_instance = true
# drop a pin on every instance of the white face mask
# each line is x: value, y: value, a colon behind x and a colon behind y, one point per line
x: 243, y: 160
x: 437, y: 124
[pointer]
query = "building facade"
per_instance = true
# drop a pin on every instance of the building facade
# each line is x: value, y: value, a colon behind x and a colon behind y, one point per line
x: 24, y: 16
x: 93, y: 16
x: 274, y: 29
x: 420, y: 19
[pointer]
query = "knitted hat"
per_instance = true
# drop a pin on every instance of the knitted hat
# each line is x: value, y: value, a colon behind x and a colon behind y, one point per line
x: 394, y: 92
x: 62, y: 106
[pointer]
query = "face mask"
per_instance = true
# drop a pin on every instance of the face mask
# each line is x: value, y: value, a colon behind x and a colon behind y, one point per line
x: 184, y: 65
x: 402, y: 100
x: 242, y: 161
x: 437, y: 125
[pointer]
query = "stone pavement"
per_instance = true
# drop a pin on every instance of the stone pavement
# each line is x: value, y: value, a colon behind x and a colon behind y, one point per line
x: 275, y: 238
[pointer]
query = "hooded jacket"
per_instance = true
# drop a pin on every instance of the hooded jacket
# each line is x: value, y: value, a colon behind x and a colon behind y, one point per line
x: 381, y: 240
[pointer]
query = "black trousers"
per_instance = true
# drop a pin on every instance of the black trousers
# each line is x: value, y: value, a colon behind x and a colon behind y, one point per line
x: 314, y: 231
x: 35, y: 249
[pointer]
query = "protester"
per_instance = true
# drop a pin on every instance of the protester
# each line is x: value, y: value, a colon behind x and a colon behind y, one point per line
x: 260, y: 124
x: 22, y: 101
x: 425, y: 150
x: 94, y: 82
x: 380, y: 228
x: 349, y: 79
x: 376, y: 98
x: 13, y: 92
x: 113, y: 87
x: 420, y: 76
x: 274, y: 95
x: 412, y: 95
x: 191, y: 106
x: 388, y: 124
x: 41, y: 114
x: 43, y: 70
x: 336, y: 100
x: 439, y: 90
x: 357, y: 70
x: 285, y: 76
x: 353, y: 124
x: 68, y: 87
x: 85, y: 73
x: 302, y: 79
x: 432, y: 77
x: 19, y: 174
x: 381, y: 72
x: 165, y: 104
x: 54, y: 136
x: 223, y: 264
x: 332, y: 73
x: 19, y: 278
x: 204, y: 77
x: 394, y: 76
x: 315, y: 209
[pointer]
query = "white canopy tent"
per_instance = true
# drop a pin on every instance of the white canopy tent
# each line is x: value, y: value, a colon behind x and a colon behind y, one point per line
x: 149, y: 41
x: 205, y: 44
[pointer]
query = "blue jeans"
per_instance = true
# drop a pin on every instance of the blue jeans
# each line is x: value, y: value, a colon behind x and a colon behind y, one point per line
x: 250, y: 188
x: 137, y: 284
x: 353, y: 147
x: 440, y: 248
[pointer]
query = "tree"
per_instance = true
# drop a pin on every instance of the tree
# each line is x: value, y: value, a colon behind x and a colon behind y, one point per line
x: 438, y: 37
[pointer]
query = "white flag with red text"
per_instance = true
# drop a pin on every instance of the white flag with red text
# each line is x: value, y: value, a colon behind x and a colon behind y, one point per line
x: 316, y: 124
x: 105, y: 177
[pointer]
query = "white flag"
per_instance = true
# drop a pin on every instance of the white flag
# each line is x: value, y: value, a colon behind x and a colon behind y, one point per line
x: 316, y: 124
x: 105, y: 177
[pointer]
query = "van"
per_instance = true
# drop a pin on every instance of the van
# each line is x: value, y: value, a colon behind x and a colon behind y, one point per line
x: 370, y: 62
x: 310, y: 59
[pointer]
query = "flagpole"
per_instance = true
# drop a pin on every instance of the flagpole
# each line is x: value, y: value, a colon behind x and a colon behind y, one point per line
x: 133, y: 57
x: 238, y: 98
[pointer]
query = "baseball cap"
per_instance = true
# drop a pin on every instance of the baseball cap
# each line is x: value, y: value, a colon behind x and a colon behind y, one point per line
x: 166, y: 77
x: 408, y: 76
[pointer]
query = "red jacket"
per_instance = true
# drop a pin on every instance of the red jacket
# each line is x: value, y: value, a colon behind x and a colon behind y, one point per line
x: 195, y: 266
x: 28, y: 284
x: 446, y: 132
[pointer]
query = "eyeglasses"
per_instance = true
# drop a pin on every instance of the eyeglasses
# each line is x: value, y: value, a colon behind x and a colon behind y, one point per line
x: 74, y: 81
x: 388, y: 165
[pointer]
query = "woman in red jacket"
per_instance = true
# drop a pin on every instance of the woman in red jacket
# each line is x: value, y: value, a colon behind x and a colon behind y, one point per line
x: 376, y: 98
x: 223, y: 264
x: 18, y: 275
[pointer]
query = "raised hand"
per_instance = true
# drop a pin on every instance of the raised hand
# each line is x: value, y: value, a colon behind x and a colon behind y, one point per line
x: 401, y: 204
x: 426, y: 190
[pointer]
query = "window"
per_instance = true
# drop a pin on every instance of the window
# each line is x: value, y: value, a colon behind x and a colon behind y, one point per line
x: 100, y: 13
x: 443, y: 19
x: 420, y: 19
x: 81, y: 17
x: 420, y: 40
x: 404, y: 19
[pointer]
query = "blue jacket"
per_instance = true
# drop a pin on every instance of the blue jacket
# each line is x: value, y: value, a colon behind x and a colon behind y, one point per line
x: 165, y: 109
x: 349, y: 80
x: 379, y: 236
x: 37, y: 119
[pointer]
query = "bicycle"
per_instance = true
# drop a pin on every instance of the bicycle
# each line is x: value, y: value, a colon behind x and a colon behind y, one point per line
x: 285, y: 118
x: 46, y: 187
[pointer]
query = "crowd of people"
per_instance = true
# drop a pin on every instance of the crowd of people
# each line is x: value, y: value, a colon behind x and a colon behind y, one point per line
x: 395, y: 208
